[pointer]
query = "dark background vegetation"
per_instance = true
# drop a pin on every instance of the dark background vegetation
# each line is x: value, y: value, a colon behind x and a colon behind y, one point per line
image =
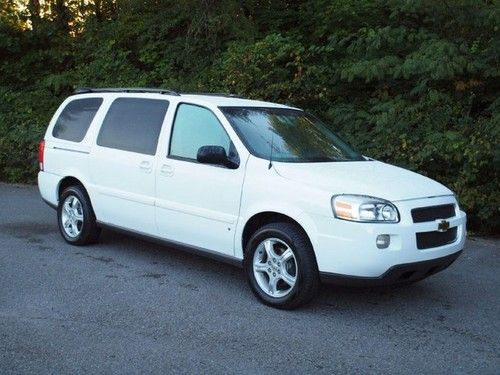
x: 414, y: 83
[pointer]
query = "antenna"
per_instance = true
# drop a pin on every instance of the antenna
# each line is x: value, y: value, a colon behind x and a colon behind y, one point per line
x: 271, y: 153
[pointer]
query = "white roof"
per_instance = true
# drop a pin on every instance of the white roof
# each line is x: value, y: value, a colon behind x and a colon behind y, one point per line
x: 213, y: 99
x: 228, y: 101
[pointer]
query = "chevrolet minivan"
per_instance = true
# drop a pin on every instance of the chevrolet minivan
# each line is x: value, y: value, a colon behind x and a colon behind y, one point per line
x: 265, y: 186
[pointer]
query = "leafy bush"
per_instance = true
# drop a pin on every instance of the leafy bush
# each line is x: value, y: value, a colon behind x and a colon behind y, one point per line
x: 414, y: 83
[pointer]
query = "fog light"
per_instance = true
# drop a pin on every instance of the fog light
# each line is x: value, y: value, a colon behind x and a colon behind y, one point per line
x: 383, y: 241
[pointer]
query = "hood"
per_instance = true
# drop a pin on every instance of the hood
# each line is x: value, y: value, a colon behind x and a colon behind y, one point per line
x: 372, y: 178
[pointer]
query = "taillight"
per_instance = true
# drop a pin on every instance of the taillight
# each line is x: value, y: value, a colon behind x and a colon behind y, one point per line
x: 41, y: 149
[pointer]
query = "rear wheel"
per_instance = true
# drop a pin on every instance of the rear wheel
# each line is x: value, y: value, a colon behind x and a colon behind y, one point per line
x: 281, y: 267
x: 76, y: 218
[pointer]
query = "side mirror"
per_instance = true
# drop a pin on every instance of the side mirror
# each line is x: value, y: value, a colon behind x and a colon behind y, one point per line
x: 212, y: 155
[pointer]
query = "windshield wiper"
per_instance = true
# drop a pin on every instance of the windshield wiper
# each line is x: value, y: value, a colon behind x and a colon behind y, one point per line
x: 320, y: 159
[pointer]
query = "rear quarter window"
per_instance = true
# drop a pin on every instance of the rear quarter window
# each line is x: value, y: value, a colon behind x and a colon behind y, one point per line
x: 75, y: 119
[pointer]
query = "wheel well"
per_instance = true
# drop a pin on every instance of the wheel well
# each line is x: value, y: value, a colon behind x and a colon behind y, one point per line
x: 259, y: 220
x: 67, y: 182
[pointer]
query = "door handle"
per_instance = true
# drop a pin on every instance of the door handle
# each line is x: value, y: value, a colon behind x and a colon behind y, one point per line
x: 167, y: 170
x: 146, y: 166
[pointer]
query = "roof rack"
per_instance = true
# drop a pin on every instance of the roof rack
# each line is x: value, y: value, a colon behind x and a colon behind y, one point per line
x: 224, y: 95
x: 87, y: 90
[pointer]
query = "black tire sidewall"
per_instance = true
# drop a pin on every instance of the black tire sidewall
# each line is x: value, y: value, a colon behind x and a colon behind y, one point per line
x: 88, y: 215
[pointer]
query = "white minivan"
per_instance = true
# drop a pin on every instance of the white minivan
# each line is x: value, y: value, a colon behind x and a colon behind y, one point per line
x: 261, y: 185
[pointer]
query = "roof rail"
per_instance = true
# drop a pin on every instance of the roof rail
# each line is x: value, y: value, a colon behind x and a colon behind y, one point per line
x: 87, y: 90
x: 224, y: 95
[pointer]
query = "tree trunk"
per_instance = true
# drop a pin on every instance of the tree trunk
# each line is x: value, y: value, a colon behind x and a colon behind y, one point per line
x: 98, y: 10
x: 34, y: 9
x: 61, y: 15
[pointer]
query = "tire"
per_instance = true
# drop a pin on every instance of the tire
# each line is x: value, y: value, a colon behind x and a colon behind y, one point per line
x: 76, y: 218
x: 280, y: 278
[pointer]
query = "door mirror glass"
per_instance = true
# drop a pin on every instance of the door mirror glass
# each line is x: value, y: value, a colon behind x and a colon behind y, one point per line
x: 216, y: 155
x: 212, y: 155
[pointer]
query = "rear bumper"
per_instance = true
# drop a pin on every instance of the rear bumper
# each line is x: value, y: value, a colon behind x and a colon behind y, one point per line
x: 50, y: 204
x: 48, y: 184
x: 401, y: 273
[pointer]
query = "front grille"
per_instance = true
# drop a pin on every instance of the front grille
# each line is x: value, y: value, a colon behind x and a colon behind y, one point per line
x: 423, y: 214
x: 427, y: 240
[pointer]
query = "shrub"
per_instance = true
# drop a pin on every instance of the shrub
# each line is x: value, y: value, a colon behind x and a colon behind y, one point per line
x: 414, y: 83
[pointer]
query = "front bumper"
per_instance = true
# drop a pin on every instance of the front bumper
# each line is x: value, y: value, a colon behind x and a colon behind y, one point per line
x: 401, y: 273
x: 349, y: 248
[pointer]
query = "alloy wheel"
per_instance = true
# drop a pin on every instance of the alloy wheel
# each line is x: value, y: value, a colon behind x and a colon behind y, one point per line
x: 275, y: 267
x: 72, y: 216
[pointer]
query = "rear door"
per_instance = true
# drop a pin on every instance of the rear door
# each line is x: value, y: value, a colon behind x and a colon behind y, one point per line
x: 122, y: 163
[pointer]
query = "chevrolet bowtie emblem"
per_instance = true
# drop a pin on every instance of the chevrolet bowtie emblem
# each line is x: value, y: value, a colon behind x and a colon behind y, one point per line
x: 443, y: 225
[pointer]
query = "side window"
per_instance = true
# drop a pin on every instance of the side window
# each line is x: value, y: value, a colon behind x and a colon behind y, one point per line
x: 75, y: 119
x: 133, y: 124
x: 194, y: 127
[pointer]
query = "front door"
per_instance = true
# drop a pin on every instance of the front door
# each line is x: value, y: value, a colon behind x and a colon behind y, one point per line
x: 198, y: 204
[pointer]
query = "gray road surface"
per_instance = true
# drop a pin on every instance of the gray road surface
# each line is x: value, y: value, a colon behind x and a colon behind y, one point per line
x: 128, y: 306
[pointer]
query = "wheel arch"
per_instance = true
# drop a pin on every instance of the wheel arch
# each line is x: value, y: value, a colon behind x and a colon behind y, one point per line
x: 73, y: 180
x: 257, y: 220
x: 69, y: 181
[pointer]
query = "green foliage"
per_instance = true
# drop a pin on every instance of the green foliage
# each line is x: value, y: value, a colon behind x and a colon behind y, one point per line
x: 272, y: 68
x: 23, y: 120
x: 414, y: 83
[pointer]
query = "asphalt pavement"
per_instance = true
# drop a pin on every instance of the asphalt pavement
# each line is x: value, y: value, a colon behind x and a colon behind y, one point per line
x: 128, y: 306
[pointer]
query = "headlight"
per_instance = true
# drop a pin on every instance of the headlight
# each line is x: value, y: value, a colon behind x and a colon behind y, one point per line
x: 364, y: 209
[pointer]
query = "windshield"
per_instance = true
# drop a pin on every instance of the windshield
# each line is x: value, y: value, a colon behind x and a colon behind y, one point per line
x: 295, y: 135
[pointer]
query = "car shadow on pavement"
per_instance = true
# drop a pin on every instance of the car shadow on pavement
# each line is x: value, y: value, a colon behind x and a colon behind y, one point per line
x: 158, y: 254
x: 330, y: 297
x: 427, y: 299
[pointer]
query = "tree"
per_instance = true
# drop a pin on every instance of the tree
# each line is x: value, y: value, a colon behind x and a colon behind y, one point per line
x: 413, y: 83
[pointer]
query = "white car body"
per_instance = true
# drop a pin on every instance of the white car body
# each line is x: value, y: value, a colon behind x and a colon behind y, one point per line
x: 208, y: 208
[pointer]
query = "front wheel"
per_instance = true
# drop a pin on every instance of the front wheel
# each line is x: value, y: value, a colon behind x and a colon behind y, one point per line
x: 76, y: 218
x: 281, y: 267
